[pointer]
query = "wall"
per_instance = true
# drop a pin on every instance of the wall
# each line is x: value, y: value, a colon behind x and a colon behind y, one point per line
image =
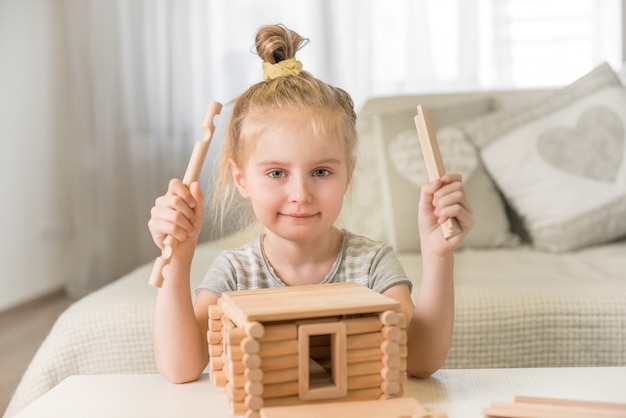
x: 33, y: 121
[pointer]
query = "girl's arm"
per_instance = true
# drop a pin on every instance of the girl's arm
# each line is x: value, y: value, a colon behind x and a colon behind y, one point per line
x: 432, y: 317
x: 179, y: 327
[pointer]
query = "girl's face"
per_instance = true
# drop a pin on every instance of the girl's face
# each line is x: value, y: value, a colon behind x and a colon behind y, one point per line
x: 295, y: 178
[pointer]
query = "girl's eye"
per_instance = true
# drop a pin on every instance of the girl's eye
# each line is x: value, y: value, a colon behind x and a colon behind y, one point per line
x: 321, y: 172
x: 276, y: 174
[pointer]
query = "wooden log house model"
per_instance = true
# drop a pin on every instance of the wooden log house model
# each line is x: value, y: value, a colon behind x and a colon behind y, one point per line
x: 305, y: 345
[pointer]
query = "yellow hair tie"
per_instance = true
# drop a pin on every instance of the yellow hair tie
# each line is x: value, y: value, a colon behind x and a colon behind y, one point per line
x: 284, y: 68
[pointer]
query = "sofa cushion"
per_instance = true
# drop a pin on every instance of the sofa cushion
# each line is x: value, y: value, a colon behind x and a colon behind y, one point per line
x: 560, y: 162
x: 391, y: 172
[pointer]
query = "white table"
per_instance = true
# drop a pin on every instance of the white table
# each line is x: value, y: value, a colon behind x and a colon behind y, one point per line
x: 460, y: 393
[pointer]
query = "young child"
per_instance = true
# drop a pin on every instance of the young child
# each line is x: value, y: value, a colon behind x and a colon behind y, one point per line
x: 290, y: 150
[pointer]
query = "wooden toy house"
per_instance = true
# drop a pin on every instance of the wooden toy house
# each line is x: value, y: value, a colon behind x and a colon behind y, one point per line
x: 306, y: 344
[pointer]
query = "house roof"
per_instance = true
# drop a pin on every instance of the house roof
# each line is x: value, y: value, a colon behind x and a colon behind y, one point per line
x: 303, y: 302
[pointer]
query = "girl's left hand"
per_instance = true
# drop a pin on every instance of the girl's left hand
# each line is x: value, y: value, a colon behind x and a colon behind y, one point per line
x: 441, y: 200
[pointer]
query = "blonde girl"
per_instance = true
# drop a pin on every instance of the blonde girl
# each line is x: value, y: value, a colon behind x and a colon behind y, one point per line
x: 290, y: 151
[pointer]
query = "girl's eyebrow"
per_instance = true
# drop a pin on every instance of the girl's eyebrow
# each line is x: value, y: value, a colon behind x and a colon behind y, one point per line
x: 325, y: 161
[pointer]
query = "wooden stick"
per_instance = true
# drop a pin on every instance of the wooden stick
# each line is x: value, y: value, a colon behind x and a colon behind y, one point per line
x: 192, y: 174
x: 567, y: 402
x: 433, y: 161
x: 553, y: 409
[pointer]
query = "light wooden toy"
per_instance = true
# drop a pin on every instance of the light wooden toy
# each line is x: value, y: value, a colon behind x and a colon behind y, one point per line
x: 433, y: 161
x: 196, y: 161
x: 525, y: 406
x: 307, y: 345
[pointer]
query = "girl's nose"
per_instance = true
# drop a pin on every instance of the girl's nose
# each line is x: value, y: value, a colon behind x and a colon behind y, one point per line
x: 300, y: 191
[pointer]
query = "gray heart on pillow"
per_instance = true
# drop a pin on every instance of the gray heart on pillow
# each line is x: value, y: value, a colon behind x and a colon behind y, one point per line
x: 594, y: 149
x: 458, y: 154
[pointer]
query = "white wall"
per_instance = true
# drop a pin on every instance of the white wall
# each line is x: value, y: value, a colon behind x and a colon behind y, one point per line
x: 33, y: 226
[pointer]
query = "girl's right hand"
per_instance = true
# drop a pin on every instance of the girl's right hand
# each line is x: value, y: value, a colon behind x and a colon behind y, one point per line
x: 179, y: 213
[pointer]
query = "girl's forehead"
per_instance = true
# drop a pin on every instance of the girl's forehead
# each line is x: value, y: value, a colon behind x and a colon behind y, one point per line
x: 317, y: 126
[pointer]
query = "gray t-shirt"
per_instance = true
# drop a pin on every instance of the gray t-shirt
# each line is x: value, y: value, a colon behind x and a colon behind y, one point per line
x: 361, y: 260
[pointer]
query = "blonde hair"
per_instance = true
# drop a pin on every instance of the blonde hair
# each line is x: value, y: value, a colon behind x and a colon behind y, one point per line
x: 332, y: 110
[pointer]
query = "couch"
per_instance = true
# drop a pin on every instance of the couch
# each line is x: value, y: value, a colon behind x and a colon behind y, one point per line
x: 539, y: 282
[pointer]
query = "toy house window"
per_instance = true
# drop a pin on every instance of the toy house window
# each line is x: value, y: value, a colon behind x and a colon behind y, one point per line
x: 322, y: 361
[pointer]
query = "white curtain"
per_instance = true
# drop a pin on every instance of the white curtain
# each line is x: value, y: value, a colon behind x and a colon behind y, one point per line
x: 143, y: 71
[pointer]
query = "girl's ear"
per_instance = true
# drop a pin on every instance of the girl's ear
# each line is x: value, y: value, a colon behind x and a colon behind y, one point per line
x: 238, y: 178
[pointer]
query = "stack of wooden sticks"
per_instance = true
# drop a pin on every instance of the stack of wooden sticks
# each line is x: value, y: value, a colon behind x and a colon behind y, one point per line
x: 531, y: 407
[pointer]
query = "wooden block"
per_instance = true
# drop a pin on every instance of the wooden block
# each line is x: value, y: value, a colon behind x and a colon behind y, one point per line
x: 402, y: 366
x: 363, y: 368
x: 392, y: 333
x: 362, y: 325
x: 433, y: 161
x: 219, y: 378
x: 253, y: 388
x: 215, y: 324
x: 280, y: 390
x: 234, y: 336
x: 392, y: 361
x: 238, y: 408
x: 403, y: 350
x: 215, y: 350
x: 217, y: 363
x: 353, y: 395
x: 280, y: 362
x: 253, y: 375
x: 367, y: 381
x: 280, y: 332
x: 611, y: 406
x: 390, y: 388
x: 253, y: 402
x: 394, y: 408
x: 390, y: 348
x: 253, y: 413
x: 249, y: 345
x: 280, y: 376
x: 370, y: 340
x: 278, y: 348
x: 530, y: 410
x: 214, y: 337
x: 254, y: 329
x: 390, y: 374
x: 403, y: 321
x: 303, y: 302
x: 338, y: 388
x: 215, y: 312
x: 389, y: 318
x: 235, y: 353
x: 237, y: 367
x: 237, y: 380
x: 251, y: 361
x: 364, y: 354
x: 235, y: 394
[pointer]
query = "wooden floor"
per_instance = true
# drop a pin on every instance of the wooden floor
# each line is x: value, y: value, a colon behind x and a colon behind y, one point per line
x: 22, y: 330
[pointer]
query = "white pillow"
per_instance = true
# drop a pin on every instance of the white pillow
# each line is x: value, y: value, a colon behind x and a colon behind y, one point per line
x: 560, y: 162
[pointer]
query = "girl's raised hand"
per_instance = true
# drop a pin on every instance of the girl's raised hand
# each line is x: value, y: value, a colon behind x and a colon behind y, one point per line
x: 440, y: 200
x: 179, y: 213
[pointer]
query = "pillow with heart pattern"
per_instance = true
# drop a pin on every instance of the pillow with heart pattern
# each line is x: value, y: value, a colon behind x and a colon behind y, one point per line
x: 560, y: 162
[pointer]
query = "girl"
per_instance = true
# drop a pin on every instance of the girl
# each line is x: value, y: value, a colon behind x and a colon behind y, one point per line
x: 290, y: 150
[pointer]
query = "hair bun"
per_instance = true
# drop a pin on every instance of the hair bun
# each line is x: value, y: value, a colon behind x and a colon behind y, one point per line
x: 276, y: 43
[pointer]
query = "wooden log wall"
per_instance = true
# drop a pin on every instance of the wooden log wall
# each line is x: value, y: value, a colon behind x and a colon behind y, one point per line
x: 258, y: 364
